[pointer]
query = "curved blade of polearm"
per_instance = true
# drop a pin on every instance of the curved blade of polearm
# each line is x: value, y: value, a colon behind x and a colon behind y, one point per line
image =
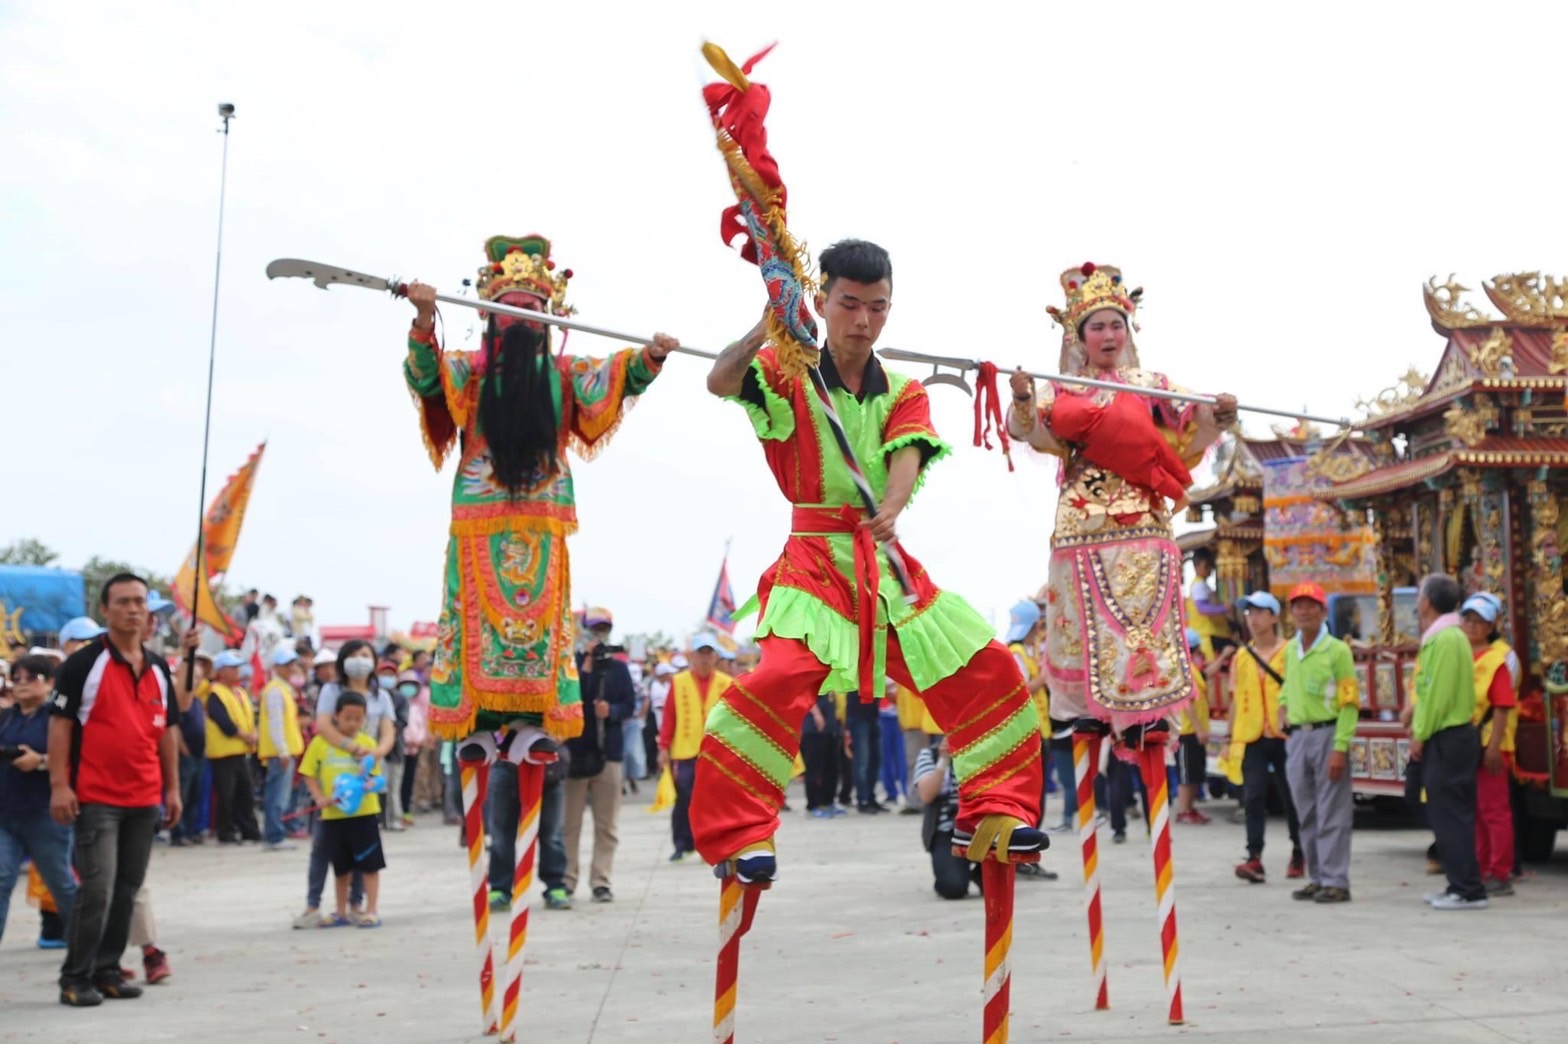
x: 325, y: 276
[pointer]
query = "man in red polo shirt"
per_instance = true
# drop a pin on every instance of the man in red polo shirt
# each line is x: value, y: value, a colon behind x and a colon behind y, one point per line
x: 113, y: 758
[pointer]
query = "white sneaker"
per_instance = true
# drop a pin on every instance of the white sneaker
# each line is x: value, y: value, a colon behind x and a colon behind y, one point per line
x: 1432, y: 897
x: 1454, y: 902
x: 308, y: 919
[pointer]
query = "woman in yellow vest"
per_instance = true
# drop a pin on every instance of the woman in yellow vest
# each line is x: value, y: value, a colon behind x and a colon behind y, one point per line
x: 1193, y: 726
x: 231, y: 736
x: 280, y: 746
x: 693, y: 692
x: 1496, y: 700
x: 1257, y: 741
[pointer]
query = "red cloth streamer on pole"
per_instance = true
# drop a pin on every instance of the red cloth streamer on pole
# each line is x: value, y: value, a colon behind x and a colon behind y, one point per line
x: 988, y: 412
x: 740, y: 112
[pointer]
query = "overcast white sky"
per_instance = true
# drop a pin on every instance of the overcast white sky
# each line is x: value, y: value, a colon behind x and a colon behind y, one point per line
x: 1281, y: 181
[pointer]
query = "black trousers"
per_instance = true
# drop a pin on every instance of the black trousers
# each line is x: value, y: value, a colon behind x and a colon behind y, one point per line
x: 846, y: 773
x: 1263, y: 754
x: 953, y: 874
x: 113, y: 846
x: 684, y: 773
x: 1450, y: 758
x: 234, y: 800
x: 1121, y: 781
x: 820, y: 753
x: 650, y: 743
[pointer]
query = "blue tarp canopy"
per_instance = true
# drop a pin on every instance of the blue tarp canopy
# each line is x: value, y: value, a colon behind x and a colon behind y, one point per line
x: 47, y: 597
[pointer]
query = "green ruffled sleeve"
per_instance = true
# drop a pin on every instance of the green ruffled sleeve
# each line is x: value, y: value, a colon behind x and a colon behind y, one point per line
x: 909, y: 424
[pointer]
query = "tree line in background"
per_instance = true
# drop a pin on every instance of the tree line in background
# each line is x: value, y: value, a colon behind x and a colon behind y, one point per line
x: 98, y: 570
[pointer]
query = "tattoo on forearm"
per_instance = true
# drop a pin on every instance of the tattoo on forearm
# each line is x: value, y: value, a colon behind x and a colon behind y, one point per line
x: 731, y: 365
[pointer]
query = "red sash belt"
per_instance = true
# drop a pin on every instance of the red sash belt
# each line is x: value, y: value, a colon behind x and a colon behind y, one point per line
x: 813, y: 521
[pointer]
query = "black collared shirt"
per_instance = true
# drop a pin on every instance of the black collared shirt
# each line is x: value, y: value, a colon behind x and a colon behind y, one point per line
x: 873, y: 380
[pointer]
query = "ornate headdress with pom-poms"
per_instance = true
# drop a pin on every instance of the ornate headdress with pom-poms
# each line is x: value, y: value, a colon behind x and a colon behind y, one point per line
x: 523, y: 264
x: 1091, y: 288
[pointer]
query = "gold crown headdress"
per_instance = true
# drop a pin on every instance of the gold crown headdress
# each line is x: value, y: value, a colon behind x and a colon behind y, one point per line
x: 523, y: 264
x: 1089, y: 288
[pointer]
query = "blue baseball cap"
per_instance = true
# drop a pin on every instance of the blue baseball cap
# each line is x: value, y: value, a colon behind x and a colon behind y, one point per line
x: 81, y: 629
x: 1483, y: 604
x: 156, y: 603
x: 1262, y: 600
x: 1194, y: 639
x: 227, y: 658
x: 705, y: 640
x: 1024, y: 615
x: 284, y: 655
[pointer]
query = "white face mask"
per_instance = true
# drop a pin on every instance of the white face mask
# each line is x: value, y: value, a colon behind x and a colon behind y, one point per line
x: 357, y: 667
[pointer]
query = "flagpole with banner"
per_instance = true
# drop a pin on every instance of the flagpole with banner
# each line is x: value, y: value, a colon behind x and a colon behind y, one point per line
x: 214, y: 550
x: 721, y: 607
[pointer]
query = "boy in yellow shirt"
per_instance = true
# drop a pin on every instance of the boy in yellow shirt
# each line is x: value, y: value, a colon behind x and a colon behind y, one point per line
x: 352, y: 840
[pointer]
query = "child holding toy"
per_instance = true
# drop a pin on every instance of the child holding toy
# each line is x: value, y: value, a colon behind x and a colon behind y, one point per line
x: 345, y: 786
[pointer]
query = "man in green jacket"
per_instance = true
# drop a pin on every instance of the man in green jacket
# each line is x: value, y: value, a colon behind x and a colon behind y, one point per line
x: 1446, y: 743
x: 1320, y: 702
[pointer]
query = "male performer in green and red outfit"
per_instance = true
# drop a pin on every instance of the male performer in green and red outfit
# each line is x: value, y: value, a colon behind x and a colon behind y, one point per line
x: 833, y: 614
x: 505, y: 648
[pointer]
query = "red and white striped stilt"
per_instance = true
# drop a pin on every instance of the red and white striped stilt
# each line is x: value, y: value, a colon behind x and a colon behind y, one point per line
x: 997, y: 879
x: 1151, y: 760
x: 530, y: 791
x: 1086, y: 765
x: 475, y: 776
x: 737, y: 907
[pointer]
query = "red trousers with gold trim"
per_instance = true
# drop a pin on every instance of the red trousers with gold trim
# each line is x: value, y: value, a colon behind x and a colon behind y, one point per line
x: 736, y: 798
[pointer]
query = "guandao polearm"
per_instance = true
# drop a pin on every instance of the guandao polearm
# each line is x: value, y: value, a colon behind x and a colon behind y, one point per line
x: 324, y: 276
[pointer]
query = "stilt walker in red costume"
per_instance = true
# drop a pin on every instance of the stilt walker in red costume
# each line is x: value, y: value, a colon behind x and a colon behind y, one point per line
x: 845, y: 604
x: 1116, y: 648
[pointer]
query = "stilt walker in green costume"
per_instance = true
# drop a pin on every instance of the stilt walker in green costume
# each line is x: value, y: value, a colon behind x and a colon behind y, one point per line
x: 504, y: 681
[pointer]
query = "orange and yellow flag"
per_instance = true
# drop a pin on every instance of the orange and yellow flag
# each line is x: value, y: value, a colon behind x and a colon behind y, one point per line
x: 220, y: 536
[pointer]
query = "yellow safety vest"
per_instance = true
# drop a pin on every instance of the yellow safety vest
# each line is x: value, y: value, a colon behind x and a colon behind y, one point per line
x: 237, y: 702
x: 691, y: 711
x: 1042, y: 698
x: 292, y: 742
x: 1254, y: 708
x: 1196, y: 713
x: 1486, y: 668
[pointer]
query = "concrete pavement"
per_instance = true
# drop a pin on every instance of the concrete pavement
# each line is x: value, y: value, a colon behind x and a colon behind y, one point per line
x: 852, y: 945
